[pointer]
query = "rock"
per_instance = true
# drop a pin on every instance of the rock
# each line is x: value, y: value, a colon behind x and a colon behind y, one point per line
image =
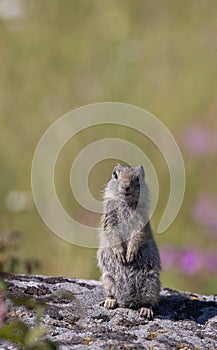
x: 76, y: 321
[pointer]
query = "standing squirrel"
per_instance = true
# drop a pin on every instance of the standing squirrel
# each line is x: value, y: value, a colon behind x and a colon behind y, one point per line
x: 128, y: 256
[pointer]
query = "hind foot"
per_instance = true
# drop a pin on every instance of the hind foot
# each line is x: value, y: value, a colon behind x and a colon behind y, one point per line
x: 109, y: 303
x: 146, y: 312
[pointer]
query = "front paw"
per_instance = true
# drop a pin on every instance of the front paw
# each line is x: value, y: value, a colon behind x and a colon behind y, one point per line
x: 109, y: 303
x: 131, y: 254
x: 120, y: 254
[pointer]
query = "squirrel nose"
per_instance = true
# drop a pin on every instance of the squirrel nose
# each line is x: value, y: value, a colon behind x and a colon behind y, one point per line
x: 129, y: 186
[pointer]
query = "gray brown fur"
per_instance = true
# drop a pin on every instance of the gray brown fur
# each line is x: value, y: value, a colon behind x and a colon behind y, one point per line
x: 128, y: 256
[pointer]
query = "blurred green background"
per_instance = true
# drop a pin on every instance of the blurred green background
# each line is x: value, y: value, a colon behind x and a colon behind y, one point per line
x: 159, y: 55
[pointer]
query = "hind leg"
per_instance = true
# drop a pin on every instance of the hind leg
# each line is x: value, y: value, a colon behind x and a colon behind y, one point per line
x: 147, y: 312
x: 149, y: 294
x: 110, y: 301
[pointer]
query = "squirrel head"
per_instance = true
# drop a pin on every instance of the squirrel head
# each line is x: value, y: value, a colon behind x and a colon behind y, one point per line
x: 126, y: 184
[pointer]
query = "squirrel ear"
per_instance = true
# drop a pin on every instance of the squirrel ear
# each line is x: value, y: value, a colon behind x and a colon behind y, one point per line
x: 117, y: 165
x: 141, y: 170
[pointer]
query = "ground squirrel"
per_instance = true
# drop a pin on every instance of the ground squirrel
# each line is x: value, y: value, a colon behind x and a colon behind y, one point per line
x: 128, y: 256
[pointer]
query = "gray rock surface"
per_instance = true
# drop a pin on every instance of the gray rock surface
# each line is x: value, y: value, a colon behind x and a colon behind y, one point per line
x: 76, y: 321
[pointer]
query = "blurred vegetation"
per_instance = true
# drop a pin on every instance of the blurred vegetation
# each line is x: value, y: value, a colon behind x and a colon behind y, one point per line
x: 18, y: 332
x: 161, y: 56
x: 10, y: 261
x: 28, y: 338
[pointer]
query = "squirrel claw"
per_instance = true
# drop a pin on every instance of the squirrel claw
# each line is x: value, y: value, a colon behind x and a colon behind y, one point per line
x: 122, y: 259
x: 130, y: 256
x: 109, y: 303
x: 146, y: 312
x: 121, y: 256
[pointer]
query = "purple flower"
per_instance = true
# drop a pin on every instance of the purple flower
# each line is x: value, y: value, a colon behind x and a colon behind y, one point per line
x: 188, y: 260
x: 199, y: 140
x: 168, y: 256
x: 191, y: 261
x: 204, y: 212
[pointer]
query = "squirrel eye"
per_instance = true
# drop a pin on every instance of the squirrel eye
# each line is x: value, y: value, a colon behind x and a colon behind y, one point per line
x: 115, y: 175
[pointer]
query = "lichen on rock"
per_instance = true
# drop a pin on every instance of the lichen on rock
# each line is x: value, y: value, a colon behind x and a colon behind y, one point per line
x: 75, y: 320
